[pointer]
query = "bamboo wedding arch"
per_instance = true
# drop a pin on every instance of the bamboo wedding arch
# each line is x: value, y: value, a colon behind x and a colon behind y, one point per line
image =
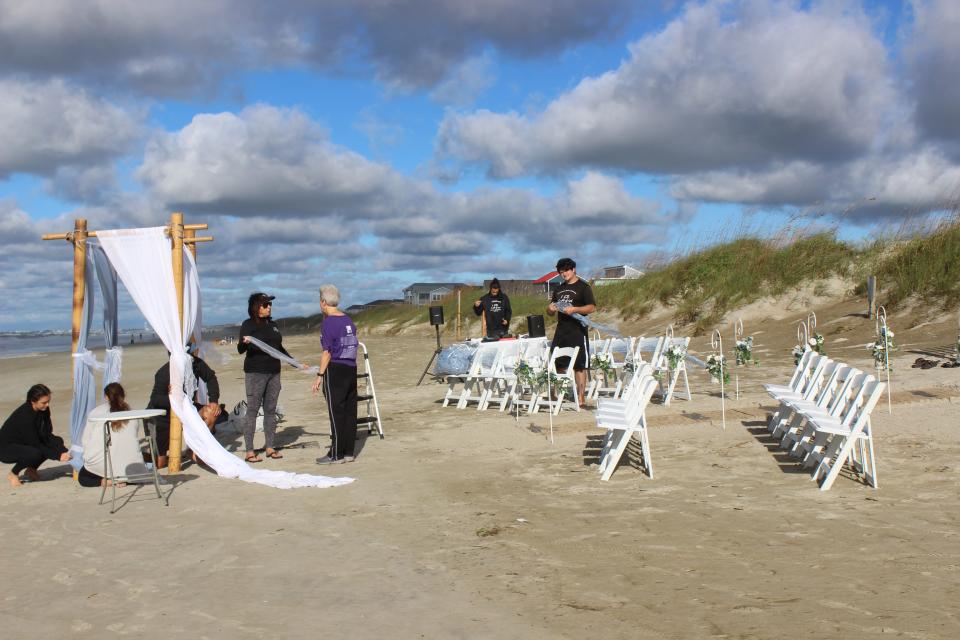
x: 180, y: 234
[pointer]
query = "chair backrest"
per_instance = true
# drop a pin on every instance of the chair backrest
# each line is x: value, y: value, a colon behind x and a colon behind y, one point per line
x: 563, y: 352
x: 487, y: 358
x: 814, y: 374
x: 855, y: 398
x: 510, y: 353
x: 835, y: 374
x: 872, y: 392
x: 653, y: 346
x: 800, y: 370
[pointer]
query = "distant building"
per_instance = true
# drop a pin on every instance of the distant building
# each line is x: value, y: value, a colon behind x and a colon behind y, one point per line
x: 548, y: 283
x: 421, y: 293
x: 617, y: 273
x: 357, y: 308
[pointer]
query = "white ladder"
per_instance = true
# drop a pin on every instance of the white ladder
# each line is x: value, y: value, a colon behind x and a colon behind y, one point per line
x: 369, y: 396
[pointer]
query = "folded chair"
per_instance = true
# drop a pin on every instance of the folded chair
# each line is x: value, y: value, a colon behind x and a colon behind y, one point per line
x: 622, y: 420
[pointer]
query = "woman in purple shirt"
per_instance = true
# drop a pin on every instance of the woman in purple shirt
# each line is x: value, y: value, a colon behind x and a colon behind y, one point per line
x: 338, y: 376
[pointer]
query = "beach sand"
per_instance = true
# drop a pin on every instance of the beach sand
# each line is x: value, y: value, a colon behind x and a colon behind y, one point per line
x: 464, y: 524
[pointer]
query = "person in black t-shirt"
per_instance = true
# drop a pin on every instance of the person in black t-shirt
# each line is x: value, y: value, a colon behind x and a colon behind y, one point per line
x: 494, y: 310
x: 573, y: 296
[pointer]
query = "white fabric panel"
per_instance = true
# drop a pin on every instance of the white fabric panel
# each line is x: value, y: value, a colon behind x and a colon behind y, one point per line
x: 282, y: 357
x: 143, y: 260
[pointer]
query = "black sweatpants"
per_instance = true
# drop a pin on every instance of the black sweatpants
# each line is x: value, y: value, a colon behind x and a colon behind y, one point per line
x: 24, y: 456
x: 340, y: 388
x: 88, y: 478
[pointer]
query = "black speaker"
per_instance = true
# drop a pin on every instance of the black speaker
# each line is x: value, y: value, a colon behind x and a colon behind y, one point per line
x: 535, y: 327
x: 436, y: 316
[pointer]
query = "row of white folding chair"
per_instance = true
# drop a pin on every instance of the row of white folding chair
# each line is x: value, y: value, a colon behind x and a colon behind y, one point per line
x: 492, y: 362
x: 625, y: 418
x: 824, y: 417
x: 501, y: 385
x: 534, y: 398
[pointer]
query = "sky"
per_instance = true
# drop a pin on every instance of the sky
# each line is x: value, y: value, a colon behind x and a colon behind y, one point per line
x: 376, y: 143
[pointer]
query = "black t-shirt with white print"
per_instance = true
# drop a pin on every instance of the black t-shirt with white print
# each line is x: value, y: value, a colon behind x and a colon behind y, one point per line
x: 578, y: 294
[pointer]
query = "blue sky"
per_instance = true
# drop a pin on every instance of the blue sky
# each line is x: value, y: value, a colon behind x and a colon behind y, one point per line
x: 375, y: 144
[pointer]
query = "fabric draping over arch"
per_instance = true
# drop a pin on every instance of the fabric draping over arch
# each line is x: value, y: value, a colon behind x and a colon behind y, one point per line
x: 143, y: 261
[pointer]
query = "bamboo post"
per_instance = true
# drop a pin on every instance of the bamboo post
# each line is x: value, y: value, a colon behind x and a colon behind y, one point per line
x: 79, y: 282
x: 176, y: 428
x: 871, y: 295
x: 458, y: 315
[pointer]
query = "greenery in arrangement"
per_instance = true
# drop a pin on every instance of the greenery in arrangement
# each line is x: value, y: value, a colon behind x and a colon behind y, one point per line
x: 880, y: 348
x: 717, y: 367
x: 675, y: 355
x: 602, y: 363
x: 815, y: 344
x: 743, y: 351
x: 534, y: 379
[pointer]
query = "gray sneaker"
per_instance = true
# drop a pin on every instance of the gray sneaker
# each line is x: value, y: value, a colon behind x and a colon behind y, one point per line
x: 328, y: 460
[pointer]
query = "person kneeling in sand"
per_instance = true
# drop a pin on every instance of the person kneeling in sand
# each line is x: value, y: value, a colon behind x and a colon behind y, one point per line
x: 26, y: 438
x: 125, y: 457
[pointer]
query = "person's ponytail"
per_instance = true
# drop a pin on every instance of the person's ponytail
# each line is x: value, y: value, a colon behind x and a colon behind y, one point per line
x: 116, y: 396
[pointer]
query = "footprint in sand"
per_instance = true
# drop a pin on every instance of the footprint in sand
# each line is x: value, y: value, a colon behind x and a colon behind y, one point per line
x: 63, y: 578
x: 79, y: 626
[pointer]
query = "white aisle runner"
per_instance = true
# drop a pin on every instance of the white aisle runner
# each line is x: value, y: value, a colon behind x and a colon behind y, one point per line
x: 143, y: 261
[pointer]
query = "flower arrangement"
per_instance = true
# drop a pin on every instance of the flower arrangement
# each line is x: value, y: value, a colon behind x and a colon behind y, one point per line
x: 674, y: 355
x: 815, y: 343
x: 881, y: 348
x: 530, y: 377
x: 602, y: 363
x: 717, y: 366
x: 743, y: 351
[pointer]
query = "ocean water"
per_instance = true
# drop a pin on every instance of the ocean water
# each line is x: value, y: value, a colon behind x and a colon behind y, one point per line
x: 21, y: 343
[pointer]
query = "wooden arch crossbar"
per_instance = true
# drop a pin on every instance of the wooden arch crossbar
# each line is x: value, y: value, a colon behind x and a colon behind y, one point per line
x: 180, y: 234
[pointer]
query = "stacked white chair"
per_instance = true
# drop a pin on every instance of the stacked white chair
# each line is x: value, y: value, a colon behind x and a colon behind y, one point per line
x: 824, y: 417
x: 624, y: 419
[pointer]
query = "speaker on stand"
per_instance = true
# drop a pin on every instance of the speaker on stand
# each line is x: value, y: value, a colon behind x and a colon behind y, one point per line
x: 436, y: 320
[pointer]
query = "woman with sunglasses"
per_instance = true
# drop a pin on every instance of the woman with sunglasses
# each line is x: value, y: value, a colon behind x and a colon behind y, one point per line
x: 261, y: 372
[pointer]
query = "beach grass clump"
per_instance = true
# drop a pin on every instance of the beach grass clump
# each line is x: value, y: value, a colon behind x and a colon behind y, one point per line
x: 708, y: 283
x: 927, y: 266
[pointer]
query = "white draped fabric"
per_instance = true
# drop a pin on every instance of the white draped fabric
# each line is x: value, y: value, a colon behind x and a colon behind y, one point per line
x: 98, y: 271
x: 282, y: 357
x: 142, y: 259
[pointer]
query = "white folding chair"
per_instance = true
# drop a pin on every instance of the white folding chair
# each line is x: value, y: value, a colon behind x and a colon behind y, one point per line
x: 669, y: 375
x: 845, y: 436
x: 482, y: 367
x: 569, y: 385
x: 524, y: 395
x: 453, y: 381
x: 806, y: 374
x: 623, y: 420
x: 502, y: 381
x: 830, y: 400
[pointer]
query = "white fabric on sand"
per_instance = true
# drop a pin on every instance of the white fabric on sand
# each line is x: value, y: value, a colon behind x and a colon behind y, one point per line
x: 142, y: 258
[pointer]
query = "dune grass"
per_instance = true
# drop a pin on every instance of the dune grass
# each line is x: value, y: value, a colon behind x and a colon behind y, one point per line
x: 703, y: 285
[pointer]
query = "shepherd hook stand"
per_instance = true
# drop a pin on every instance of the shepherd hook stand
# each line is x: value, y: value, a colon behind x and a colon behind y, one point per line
x: 432, y: 358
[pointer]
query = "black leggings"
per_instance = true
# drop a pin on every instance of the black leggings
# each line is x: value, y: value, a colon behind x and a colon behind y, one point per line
x: 340, y: 388
x: 88, y: 478
x: 22, y: 456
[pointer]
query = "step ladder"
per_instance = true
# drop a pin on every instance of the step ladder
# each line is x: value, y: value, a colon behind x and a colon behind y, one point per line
x: 368, y: 396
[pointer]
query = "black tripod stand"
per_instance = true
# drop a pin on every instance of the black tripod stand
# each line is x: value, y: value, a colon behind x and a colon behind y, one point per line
x: 432, y: 358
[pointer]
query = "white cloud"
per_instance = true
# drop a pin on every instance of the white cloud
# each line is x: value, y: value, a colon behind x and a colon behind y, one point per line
x: 726, y: 84
x: 933, y: 54
x: 45, y: 126
x: 178, y: 47
x: 465, y: 83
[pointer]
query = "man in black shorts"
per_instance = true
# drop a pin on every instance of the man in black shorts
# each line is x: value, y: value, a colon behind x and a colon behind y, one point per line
x: 573, y: 296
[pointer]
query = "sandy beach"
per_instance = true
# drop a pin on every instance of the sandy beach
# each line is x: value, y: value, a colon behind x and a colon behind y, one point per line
x: 466, y: 524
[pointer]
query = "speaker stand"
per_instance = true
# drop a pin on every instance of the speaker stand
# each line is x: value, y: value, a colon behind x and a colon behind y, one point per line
x: 432, y: 358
